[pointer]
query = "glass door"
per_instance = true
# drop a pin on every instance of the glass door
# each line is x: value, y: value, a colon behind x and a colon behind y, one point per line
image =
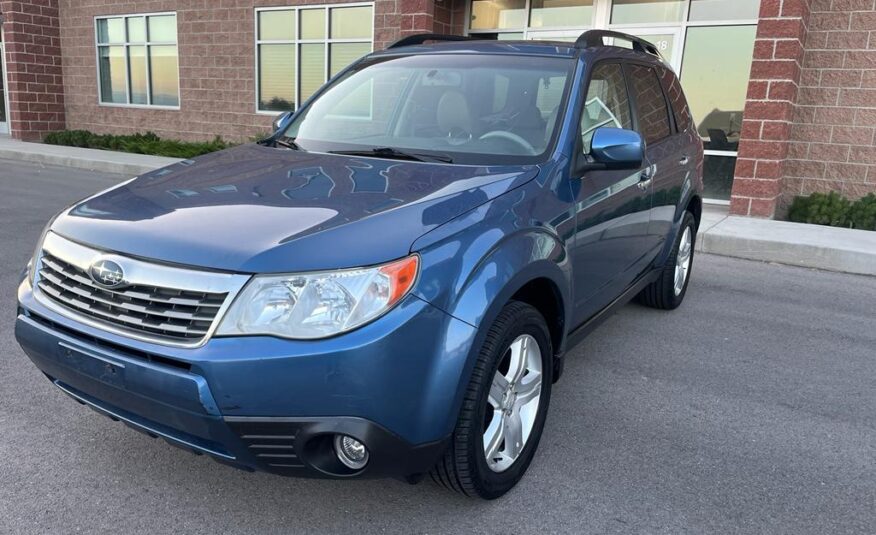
x: 553, y: 35
x: 667, y: 41
x: 4, y: 121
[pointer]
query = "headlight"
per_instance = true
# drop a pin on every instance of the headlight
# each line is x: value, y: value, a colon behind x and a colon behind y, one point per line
x: 318, y: 305
x: 37, y: 252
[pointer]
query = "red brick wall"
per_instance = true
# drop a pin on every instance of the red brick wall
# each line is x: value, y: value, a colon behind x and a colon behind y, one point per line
x: 810, y: 119
x: 769, y: 110
x: 216, y: 63
x: 33, y: 64
x: 835, y: 118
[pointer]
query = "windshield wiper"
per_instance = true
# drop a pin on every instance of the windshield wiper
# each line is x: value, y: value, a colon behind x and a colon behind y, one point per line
x: 285, y: 141
x: 396, y: 154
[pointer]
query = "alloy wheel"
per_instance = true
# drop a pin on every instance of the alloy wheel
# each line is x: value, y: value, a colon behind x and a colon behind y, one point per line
x: 682, y: 261
x: 513, y: 403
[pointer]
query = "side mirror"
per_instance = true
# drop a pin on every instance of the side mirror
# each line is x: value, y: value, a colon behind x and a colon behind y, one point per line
x: 616, y: 148
x: 282, y: 121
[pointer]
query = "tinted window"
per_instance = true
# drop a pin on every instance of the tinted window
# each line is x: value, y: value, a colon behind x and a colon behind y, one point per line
x: 650, y: 104
x: 607, y: 104
x: 676, y: 99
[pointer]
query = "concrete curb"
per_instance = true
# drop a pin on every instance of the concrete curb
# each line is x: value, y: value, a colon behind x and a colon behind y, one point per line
x: 96, y: 160
x: 796, y: 244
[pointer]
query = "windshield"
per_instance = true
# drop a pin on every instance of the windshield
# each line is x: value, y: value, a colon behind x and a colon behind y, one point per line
x: 485, y: 110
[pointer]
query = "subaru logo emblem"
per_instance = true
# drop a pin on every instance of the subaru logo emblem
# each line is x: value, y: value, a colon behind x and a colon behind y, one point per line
x: 107, y: 273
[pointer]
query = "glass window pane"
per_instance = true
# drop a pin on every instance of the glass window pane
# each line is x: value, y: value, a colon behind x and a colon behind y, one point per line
x: 162, y: 28
x: 136, y: 30
x: 651, y: 107
x: 111, y: 30
x: 312, y: 23
x: 724, y: 9
x: 487, y: 14
x: 351, y: 22
x: 677, y: 102
x: 646, y: 11
x: 163, y: 64
x: 343, y: 54
x: 715, y: 71
x: 137, y: 71
x: 111, y: 63
x: 555, y: 13
x: 513, y: 36
x: 276, y: 25
x: 607, y: 104
x: 277, y: 77
x: 718, y: 176
x: 312, y: 69
x: 665, y: 42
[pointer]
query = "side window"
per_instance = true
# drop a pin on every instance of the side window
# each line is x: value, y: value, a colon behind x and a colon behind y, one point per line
x: 676, y: 99
x: 650, y: 104
x: 607, y: 103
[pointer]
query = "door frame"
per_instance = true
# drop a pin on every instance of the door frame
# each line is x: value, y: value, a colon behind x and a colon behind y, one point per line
x: 4, y: 125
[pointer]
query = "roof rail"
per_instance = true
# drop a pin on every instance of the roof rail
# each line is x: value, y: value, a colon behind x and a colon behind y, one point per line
x: 593, y: 38
x: 420, y: 38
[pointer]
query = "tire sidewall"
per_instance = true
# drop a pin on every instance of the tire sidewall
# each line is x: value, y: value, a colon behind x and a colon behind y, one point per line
x: 493, y: 484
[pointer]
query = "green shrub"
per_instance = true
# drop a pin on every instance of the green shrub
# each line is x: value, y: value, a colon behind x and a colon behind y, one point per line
x: 834, y: 210
x: 147, y: 143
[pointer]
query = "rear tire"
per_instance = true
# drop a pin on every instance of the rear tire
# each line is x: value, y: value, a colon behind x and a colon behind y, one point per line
x: 494, y: 409
x: 667, y: 292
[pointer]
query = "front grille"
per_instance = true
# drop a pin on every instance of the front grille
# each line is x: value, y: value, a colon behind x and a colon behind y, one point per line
x: 168, y: 313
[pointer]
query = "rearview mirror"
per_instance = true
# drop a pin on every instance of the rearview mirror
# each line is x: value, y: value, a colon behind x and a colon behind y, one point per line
x: 282, y: 121
x: 616, y: 148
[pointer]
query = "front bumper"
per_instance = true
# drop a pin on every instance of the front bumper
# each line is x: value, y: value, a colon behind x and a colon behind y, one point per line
x: 261, y: 403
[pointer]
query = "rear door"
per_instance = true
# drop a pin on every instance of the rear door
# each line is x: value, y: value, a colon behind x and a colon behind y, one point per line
x: 662, y: 147
x: 612, y: 208
x: 671, y: 186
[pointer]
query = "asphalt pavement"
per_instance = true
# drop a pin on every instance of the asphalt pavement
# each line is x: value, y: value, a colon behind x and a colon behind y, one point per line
x: 751, y: 409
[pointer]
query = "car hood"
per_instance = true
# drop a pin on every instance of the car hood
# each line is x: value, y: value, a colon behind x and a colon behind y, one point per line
x: 258, y: 209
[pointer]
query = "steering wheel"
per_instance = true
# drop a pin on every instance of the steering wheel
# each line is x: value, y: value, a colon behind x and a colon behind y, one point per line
x: 510, y: 136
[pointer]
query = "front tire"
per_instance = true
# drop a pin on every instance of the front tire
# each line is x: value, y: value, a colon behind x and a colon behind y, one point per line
x: 504, y: 408
x: 668, y: 291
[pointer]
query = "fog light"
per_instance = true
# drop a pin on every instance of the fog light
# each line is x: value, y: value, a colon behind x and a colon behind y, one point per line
x: 351, y: 452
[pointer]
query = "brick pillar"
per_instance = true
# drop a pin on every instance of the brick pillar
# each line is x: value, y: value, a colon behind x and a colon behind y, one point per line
x: 33, y: 62
x: 769, y: 109
x: 394, y: 19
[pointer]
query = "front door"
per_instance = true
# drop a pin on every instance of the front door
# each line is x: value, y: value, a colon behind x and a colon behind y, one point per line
x: 612, y: 206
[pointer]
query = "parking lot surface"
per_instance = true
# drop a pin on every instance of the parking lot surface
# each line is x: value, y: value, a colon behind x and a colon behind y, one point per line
x: 751, y: 409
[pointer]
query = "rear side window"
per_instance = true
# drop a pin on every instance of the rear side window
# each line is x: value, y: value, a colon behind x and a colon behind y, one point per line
x: 676, y: 99
x: 650, y: 104
x: 607, y: 103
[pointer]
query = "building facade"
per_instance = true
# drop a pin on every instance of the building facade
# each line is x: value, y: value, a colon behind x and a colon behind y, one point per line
x: 783, y: 91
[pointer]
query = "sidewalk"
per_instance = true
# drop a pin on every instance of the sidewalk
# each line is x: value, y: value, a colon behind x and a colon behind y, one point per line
x: 813, y: 246
x: 796, y: 244
x: 96, y: 160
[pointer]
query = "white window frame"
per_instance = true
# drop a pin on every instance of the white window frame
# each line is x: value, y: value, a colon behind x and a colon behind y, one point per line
x: 146, y: 44
x: 602, y: 21
x: 327, y: 41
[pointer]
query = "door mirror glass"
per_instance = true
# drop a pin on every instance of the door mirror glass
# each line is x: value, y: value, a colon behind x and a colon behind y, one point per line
x: 282, y: 121
x: 617, y: 148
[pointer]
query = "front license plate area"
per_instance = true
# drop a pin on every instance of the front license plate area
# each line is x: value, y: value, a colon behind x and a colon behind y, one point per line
x: 91, y: 364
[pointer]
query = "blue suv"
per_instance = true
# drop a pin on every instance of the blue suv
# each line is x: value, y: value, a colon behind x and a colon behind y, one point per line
x: 388, y: 285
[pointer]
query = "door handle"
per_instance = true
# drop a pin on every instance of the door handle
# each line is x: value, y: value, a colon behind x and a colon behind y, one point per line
x: 646, y: 176
x: 684, y: 161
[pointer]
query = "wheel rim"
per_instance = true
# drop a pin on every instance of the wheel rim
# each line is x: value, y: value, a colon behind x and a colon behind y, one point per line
x: 513, y: 403
x: 682, y: 261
